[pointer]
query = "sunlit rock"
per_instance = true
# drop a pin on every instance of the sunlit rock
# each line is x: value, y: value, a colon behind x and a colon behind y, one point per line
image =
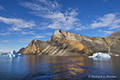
x: 100, y: 56
x: 64, y: 43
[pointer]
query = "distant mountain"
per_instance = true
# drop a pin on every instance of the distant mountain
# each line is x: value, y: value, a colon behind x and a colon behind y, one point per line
x: 67, y: 44
x: 114, y: 35
x: 4, y: 53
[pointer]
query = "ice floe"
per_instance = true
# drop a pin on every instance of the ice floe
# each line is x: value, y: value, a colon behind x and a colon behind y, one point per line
x: 100, y: 55
x: 116, y: 55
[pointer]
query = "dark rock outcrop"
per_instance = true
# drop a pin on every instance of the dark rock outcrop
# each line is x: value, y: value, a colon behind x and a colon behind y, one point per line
x: 21, y: 50
x: 66, y: 44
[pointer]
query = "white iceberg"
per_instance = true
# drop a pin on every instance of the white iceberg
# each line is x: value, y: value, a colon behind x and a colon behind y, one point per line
x: 116, y: 55
x: 14, y: 54
x: 100, y: 56
x: 20, y: 54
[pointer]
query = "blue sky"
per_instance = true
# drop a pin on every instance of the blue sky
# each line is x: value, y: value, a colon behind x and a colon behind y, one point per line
x: 24, y: 20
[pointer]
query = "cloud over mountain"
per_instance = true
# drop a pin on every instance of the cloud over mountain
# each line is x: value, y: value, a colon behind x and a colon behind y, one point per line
x: 51, y: 10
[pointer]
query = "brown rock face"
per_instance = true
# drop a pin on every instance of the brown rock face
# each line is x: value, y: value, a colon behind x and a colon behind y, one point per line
x: 93, y: 44
x: 66, y: 44
x: 114, y: 35
x: 113, y: 41
x: 35, y: 47
x: 63, y: 47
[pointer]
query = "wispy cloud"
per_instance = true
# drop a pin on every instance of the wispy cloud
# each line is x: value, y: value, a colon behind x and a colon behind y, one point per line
x: 17, y: 24
x: 81, y: 27
x: 42, y: 5
x: 65, y: 21
x: 105, y: 0
x: 105, y: 32
x: 108, y: 32
x: 2, y: 8
x: 54, y: 18
x: 4, y: 34
x: 29, y: 39
x: 24, y: 40
x: 115, y: 24
x: 51, y: 11
x: 5, y: 41
x: 30, y: 32
x: 39, y: 37
x: 104, y: 21
x: 49, y: 34
x: 111, y: 21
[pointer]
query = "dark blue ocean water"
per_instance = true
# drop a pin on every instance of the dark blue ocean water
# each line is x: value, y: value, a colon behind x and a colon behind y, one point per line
x: 58, y: 68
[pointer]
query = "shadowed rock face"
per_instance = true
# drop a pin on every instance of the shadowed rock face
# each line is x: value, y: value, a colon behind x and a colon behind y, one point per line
x: 21, y: 49
x: 66, y: 44
x: 114, y: 40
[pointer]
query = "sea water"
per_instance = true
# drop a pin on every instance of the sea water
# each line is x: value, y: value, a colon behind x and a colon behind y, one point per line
x: 34, y: 67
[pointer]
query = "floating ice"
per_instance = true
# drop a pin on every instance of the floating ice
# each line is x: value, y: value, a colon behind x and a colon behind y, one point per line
x: 100, y: 56
x: 14, y: 54
x: 116, y: 55
x: 20, y: 54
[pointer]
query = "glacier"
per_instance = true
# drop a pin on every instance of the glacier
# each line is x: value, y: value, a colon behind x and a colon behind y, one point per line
x: 14, y: 54
x: 100, y: 55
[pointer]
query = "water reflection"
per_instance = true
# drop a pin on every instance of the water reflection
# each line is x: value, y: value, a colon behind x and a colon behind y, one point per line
x: 115, y: 65
x: 104, y: 66
x: 51, y: 68
x: 67, y: 67
x: 54, y: 67
x: 12, y: 68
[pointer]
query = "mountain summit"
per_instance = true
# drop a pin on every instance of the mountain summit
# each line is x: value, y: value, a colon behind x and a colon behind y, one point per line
x: 66, y: 44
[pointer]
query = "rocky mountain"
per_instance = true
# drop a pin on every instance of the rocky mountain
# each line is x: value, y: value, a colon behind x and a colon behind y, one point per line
x: 67, y: 44
x: 114, y: 35
x: 21, y: 49
x: 113, y: 41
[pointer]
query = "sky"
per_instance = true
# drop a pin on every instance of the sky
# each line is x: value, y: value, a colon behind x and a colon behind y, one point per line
x: 21, y: 21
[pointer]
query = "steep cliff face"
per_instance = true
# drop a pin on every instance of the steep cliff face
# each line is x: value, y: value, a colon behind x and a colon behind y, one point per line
x: 63, y: 47
x: 66, y: 43
x: 113, y: 41
x: 95, y: 44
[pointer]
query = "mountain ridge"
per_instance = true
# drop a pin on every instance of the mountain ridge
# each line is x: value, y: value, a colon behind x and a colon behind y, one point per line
x: 66, y: 44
